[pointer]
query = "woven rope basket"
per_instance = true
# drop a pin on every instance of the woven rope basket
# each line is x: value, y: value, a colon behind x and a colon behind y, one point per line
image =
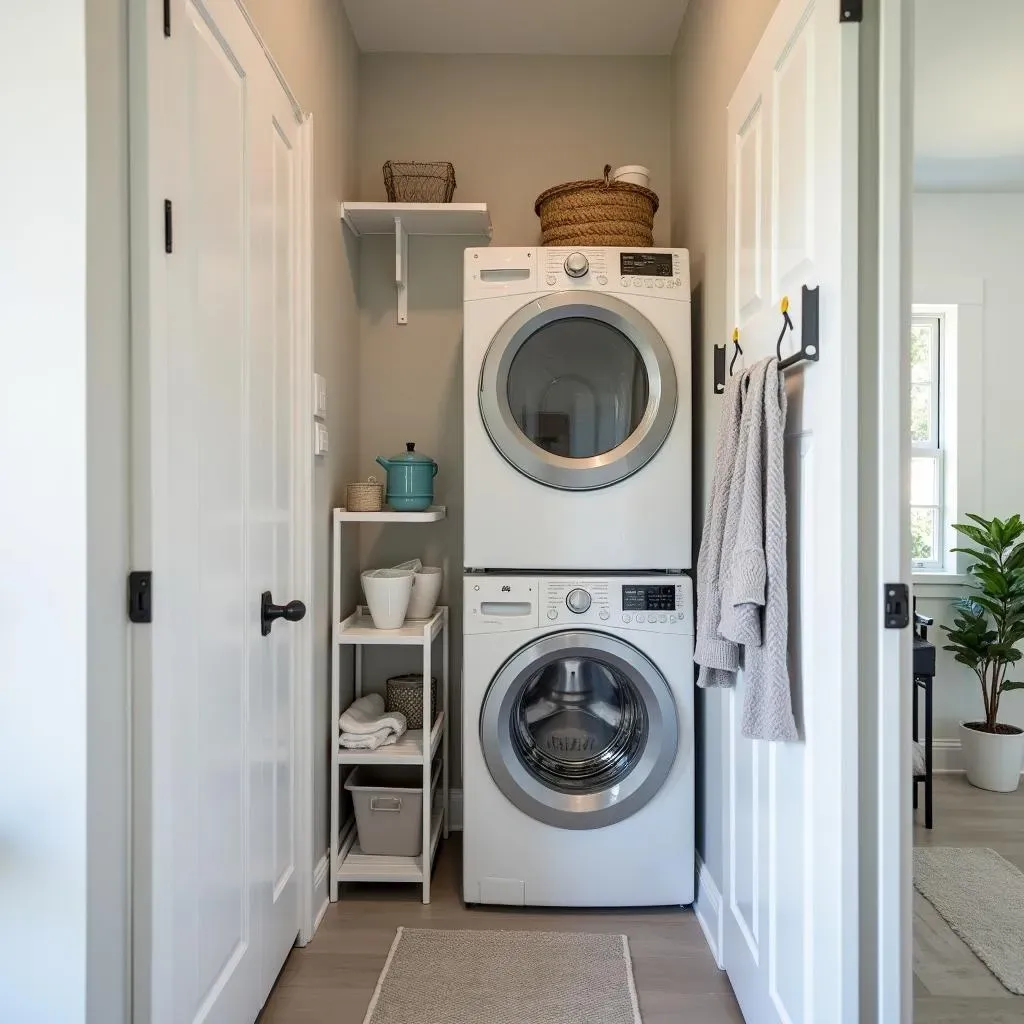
x: 364, y: 497
x: 597, y: 212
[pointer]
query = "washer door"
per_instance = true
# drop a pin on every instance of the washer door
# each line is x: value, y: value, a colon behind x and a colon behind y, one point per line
x: 578, y: 391
x: 579, y: 729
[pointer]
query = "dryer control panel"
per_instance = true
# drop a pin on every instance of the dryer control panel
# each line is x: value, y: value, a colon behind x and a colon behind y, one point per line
x: 658, y: 604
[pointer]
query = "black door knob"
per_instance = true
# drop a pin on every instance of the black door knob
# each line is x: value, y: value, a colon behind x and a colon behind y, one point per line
x: 292, y: 611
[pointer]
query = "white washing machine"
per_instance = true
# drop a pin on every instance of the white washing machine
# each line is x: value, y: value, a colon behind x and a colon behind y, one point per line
x: 577, y: 409
x: 578, y: 740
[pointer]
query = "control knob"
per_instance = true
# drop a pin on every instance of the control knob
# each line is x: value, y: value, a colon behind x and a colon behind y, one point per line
x: 578, y: 600
x: 576, y: 264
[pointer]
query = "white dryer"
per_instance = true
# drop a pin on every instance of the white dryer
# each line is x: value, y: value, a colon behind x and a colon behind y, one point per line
x: 577, y: 409
x: 578, y: 740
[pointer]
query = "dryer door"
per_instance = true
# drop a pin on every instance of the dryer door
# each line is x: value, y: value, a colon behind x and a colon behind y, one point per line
x: 578, y: 391
x: 579, y: 729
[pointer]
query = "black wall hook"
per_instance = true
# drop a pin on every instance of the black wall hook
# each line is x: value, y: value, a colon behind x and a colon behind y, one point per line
x: 810, y: 341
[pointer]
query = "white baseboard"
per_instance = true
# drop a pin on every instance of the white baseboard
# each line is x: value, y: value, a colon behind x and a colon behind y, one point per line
x: 708, y: 908
x: 947, y: 756
x: 455, y: 810
x: 321, y: 893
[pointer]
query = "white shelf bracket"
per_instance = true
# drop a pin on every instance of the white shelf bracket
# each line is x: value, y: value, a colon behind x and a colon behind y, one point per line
x: 401, y: 272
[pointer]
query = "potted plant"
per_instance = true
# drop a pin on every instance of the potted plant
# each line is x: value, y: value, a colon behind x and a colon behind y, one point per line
x: 988, y: 625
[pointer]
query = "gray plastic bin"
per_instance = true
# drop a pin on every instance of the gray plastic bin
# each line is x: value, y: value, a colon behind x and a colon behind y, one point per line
x: 388, y: 801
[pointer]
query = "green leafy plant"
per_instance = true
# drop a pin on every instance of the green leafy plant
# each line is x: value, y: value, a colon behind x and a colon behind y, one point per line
x: 989, y: 623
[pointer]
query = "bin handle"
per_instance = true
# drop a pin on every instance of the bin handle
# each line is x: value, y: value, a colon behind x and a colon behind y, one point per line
x: 385, y: 803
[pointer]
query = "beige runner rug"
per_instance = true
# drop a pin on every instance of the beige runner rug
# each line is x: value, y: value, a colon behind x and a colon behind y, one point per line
x: 981, y: 897
x: 470, y: 977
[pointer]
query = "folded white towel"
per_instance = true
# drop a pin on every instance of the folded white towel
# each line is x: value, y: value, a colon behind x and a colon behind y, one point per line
x: 369, y: 740
x: 366, y: 715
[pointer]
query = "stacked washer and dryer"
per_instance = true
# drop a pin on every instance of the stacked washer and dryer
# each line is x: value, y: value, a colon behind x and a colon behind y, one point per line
x: 578, y: 620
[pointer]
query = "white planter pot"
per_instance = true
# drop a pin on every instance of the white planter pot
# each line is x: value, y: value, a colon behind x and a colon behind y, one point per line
x: 993, y: 760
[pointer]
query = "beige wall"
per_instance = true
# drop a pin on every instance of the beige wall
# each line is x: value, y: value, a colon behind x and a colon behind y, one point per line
x: 513, y: 126
x: 312, y: 42
x: 715, y: 43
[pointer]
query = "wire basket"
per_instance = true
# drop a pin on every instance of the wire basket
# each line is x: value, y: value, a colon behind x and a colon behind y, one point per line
x: 364, y: 497
x: 599, y: 211
x: 412, y: 182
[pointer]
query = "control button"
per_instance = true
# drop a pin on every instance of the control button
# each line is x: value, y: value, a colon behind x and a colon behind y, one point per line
x: 627, y: 617
x: 552, y: 614
x: 602, y: 279
x: 648, y: 283
x: 652, y: 618
x: 576, y: 264
x: 551, y: 279
x: 679, y: 280
x: 625, y: 282
x: 673, y: 618
x: 659, y: 283
x: 578, y: 600
x: 671, y: 284
x: 663, y: 618
x: 604, y: 614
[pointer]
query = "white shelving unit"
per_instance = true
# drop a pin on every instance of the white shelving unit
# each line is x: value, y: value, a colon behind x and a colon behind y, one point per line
x: 348, y: 863
x: 405, y: 219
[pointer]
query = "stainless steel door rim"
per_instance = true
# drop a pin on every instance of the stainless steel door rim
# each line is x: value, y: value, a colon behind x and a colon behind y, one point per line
x: 627, y: 774
x: 611, y: 466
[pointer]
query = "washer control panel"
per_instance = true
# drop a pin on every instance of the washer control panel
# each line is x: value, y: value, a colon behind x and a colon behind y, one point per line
x: 656, y: 603
x: 664, y: 272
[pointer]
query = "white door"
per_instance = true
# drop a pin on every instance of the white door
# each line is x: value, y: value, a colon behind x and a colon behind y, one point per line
x: 790, y: 897
x: 215, y: 412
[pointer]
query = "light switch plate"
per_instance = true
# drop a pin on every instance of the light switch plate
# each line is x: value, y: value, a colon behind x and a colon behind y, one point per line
x: 320, y: 440
x: 319, y: 396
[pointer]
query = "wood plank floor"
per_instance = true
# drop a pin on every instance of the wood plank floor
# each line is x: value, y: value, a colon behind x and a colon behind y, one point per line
x: 951, y: 985
x: 332, y: 979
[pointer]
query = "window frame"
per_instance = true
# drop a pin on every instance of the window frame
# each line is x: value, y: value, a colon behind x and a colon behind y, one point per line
x: 935, y: 447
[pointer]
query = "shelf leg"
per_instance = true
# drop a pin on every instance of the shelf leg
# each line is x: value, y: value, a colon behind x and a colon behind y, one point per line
x: 401, y: 272
x: 359, y: 671
x: 332, y: 885
x: 447, y: 725
x: 428, y: 803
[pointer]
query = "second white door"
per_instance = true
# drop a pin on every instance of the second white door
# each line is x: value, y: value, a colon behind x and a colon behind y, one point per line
x: 216, y: 399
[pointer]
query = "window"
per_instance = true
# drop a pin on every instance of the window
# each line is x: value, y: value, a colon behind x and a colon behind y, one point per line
x: 928, y: 526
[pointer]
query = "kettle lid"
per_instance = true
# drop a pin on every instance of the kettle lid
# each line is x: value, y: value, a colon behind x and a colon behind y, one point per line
x: 411, y: 455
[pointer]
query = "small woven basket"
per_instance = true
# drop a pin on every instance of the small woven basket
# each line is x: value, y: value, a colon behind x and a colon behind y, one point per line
x: 365, y: 497
x: 597, y: 212
x: 405, y: 694
x: 411, y: 182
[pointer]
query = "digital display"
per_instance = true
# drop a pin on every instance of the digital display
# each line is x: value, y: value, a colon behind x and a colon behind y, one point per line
x: 646, y: 264
x: 649, y: 599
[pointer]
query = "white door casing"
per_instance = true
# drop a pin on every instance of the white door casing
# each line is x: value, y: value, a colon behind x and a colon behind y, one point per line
x: 220, y: 514
x: 790, y: 889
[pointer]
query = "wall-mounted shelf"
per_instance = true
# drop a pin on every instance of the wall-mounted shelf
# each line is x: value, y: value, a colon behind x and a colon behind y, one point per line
x: 405, y: 219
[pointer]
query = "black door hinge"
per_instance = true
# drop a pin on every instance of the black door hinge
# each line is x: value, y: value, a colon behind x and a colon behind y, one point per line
x: 896, y: 601
x: 140, y: 596
x: 167, y: 19
x: 168, y: 226
x: 851, y: 10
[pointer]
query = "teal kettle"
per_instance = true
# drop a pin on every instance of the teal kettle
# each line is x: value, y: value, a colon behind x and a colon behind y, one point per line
x: 410, y: 480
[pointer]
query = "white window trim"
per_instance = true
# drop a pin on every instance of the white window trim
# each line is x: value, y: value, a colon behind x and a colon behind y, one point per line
x: 960, y: 302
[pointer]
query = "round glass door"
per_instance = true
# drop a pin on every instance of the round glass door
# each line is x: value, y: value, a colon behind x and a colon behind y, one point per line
x: 578, y: 392
x: 579, y: 729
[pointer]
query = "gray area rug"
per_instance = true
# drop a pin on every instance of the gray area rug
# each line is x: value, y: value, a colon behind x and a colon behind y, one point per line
x: 472, y: 977
x: 981, y: 897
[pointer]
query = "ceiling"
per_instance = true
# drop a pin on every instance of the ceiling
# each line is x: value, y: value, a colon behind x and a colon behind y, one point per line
x: 969, y: 95
x: 568, y: 27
